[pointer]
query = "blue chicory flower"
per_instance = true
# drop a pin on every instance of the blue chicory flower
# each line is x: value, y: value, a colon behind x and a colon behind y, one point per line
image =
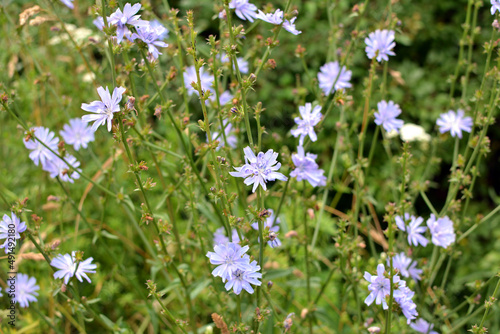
x: 259, y: 169
x: 331, y: 77
x: 442, y: 231
x: 379, y: 45
x: 386, y: 116
x: 39, y: 153
x: 455, y: 122
x: 305, y: 126
x: 127, y: 17
x: 77, y: 133
x: 307, y: 168
x: 103, y: 110
x: 413, y: 229
x: 68, y: 267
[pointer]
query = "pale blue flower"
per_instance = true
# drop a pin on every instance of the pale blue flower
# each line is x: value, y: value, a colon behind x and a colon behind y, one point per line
x: 127, y: 17
x: 386, y: 116
x: 68, y: 3
x: 380, y: 287
x: 244, y: 279
x: 77, y: 133
x: 273, y: 229
x: 58, y: 168
x: 242, y: 63
x: 406, y: 266
x: 403, y: 296
x: 103, y: 110
x: 455, y: 122
x: 231, y: 138
x: 243, y: 9
x: 99, y: 23
x: 19, y: 227
x: 39, y: 153
x: 259, y: 169
x: 423, y: 326
x: 274, y: 18
x: 442, y: 231
x: 411, y: 225
x: 290, y: 26
x: 379, y: 45
x: 331, y: 77
x: 495, y: 6
x: 160, y: 29
x: 228, y: 258
x: 151, y: 36
x: 307, y: 169
x: 25, y: 290
x: 220, y: 236
x: 305, y: 126
x: 68, y: 267
x: 190, y: 76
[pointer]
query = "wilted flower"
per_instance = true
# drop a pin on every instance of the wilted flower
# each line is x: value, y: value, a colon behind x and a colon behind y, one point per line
x: 305, y: 126
x: 58, y: 168
x: 190, y: 76
x: 274, y: 18
x: 19, y: 227
x: 242, y: 279
x: 413, y: 229
x: 127, y: 17
x: 259, y: 169
x: 290, y: 26
x: 455, y: 122
x: 70, y: 267
x: 228, y: 258
x: 423, y: 326
x: 39, y: 153
x: 442, y: 231
x: 25, y: 290
x: 386, y: 116
x: 379, y: 45
x: 331, y: 77
x: 243, y: 9
x: 151, y: 36
x: 103, y: 111
x: 307, y: 168
x: 77, y: 133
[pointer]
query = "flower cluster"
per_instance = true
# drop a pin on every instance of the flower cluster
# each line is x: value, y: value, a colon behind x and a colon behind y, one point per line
x: 234, y: 266
x: 152, y: 33
x: 380, y: 289
x: 259, y: 169
x: 442, y: 232
x: 43, y: 145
